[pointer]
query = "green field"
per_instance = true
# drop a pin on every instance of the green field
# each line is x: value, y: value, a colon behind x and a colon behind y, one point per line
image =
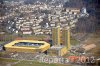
x: 7, y: 60
x: 4, y: 62
x: 1, y: 42
x: 74, y: 41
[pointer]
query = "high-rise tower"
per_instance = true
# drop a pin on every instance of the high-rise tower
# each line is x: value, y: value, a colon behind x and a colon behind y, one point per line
x: 66, y: 38
x: 56, y: 35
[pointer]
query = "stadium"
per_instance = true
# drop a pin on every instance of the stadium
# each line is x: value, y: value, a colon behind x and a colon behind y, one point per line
x: 27, y: 46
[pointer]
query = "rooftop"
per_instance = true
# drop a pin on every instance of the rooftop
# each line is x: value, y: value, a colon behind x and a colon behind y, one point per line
x: 57, y: 47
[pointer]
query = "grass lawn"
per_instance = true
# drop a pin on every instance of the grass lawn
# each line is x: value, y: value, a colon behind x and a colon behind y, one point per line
x: 28, y: 63
x: 7, y: 60
x: 33, y: 63
x: 1, y: 42
x: 32, y: 37
x: 74, y: 41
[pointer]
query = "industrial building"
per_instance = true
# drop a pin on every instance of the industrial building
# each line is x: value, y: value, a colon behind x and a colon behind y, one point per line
x: 28, y: 46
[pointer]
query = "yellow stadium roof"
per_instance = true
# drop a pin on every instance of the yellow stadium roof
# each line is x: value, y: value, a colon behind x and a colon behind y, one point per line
x: 43, y: 47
